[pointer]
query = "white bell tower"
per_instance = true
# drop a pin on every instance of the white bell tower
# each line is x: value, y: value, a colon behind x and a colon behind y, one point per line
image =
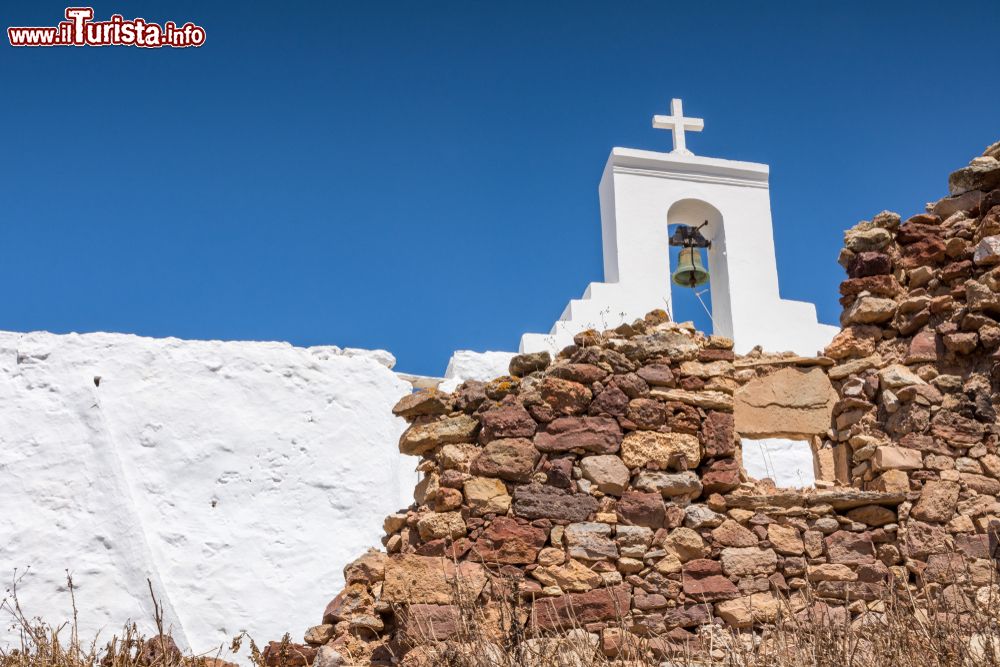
x: 644, y: 192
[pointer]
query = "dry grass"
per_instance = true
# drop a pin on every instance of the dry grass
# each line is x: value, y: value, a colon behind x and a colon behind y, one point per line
x: 899, y: 630
x: 41, y: 644
x: 902, y: 629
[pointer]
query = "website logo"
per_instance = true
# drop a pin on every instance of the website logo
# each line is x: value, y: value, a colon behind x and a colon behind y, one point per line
x: 80, y: 29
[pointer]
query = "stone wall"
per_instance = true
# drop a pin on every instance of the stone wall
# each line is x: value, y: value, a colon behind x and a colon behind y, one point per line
x: 608, y: 481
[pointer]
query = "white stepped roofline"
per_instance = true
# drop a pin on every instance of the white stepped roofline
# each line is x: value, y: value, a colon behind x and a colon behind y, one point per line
x: 691, y: 167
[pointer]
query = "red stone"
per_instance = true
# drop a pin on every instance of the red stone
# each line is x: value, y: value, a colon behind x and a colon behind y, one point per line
x: 924, y: 219
x: 507, y: 422
x: 924, y: 539
x: 646, y: 413
x: 512, y: 459
x: 848, y: 548
x: 707, y: 354
x: 883, y: 286
x: 600, y: 435
x: 657, y: 375
x: 683, y: 418
x: 582, y: 373
x: 701, y: 567
x: 974, y: 546
x: 923, y: 253
x: 641, y: 509
x: 721, y: 476
x: 689, y: 616
x: 444, y: 547
x: 611, y: 401
x: 866, y: 264
x: 954, y: 428
x: 279, y: 654
x: 507, y: 541
x: 923, y: 347
x: 564, y: 396
x: 717, y: 434
x: 914, y: 232
x: 630, y: 383
x: 712, y: 588
x: 570, y: 611
x: 430, y: 623
x: 956, y: 270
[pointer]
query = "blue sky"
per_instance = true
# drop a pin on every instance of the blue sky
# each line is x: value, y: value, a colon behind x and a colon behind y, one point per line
x: 423, y: 176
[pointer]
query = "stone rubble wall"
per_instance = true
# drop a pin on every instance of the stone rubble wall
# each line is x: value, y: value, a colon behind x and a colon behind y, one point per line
x: 608, y: 480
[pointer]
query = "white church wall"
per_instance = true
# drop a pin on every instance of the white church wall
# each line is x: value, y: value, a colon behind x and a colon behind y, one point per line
x: 468, y: 365
x: 239, y: 477
x: 789, y: 463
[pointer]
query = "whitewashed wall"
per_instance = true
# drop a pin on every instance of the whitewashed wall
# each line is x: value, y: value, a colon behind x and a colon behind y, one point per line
x: 240, y: 477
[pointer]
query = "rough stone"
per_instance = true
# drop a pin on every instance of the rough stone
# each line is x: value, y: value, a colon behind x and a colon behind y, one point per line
x: 701, y: 516
x: 534, y: 501
x: 830, y: 572
x: 575, y: 609
x: 686, y: 544
x: 678, y: 450
x: 646, y: 413
x: 670, y: 344
x: 853, y: 341
x: 875, y: 516
x: 938, y: 501
x: 420, y: 439
x: 668, y: 484
x: 607, y: 472
x: 897, y: 458
x: 731, y: 534
x: 642, y: 509
x: 571, y: 577
x: 923, y: 539
x: 506, y: 422
x: 897, y: 375
x: 870, y: 310
x: 749, y: 610
x: 984, y: 176
x: 786, y: 540
x: 788, y: 403
x: 600, y: 435
x: 511, y: 459
x: 368, y: 569
x: 526, y: 364
x: 721, y: 476
x: 590, y: 541
x: 486, y: 495
x: 846, y: 548
x: 430, y: 623
x: 748, y: 561
x: 508, y: 542
x: 411, y: 579
x: 422, y: 403
x: 564, y: 396
x: 718, y: 434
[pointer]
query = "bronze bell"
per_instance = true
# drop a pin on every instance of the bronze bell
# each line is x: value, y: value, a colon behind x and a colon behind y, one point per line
x: 690, y: 271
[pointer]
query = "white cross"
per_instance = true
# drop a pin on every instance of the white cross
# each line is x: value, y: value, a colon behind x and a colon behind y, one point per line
x: 678, y: 124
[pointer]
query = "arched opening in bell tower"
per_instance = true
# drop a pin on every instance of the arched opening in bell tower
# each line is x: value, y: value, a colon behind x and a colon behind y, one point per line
x: 691, y: 303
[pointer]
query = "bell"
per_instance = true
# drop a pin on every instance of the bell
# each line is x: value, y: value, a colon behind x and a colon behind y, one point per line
x: 690, y: 271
